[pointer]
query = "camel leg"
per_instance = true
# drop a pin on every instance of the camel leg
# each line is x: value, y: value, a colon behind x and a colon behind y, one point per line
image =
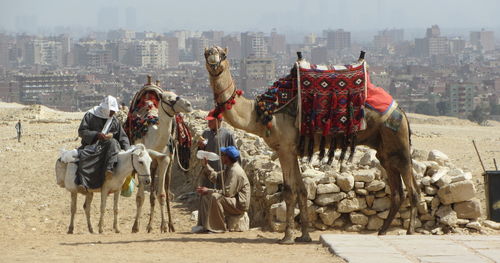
x: 413, y: 194
x: 152, y: 203
x: 396, y: 187
x: 86, y: 208
x: 73, y: 212
x: 139, y: 200
x: 115, y: 211
x: 302, y: 201
x: 104, y: 197
x: 289, y: 193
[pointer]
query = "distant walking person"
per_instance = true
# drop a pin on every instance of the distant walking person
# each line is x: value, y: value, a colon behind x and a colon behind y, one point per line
x: 19, y: 130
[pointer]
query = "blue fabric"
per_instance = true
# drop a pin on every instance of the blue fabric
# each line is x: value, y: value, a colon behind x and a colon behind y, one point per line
x: 230, y: 151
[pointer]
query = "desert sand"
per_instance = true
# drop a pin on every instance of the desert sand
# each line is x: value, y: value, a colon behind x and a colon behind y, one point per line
x: 35, y: 211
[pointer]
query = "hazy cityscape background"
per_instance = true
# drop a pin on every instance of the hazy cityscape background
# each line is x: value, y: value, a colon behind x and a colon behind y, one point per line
x: 436, y: 57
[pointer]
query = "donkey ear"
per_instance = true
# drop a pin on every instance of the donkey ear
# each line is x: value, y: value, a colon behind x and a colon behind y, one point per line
x: 226, y: 49
x: 156, y: 155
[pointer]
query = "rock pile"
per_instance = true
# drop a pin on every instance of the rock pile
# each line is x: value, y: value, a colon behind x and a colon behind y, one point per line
x: 357, y: 197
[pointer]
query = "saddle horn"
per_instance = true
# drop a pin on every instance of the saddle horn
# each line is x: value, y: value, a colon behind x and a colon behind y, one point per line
x: 299, y: 55
x: 361, y: 55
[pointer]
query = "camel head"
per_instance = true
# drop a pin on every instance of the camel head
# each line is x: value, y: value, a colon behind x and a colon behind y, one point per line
x: 141, y: 162
x: 216, y: 61
x: 173, y: 104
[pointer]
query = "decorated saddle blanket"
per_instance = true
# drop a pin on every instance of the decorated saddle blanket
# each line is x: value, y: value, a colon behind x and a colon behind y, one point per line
x: 332, y: 99
x: 143, y: 112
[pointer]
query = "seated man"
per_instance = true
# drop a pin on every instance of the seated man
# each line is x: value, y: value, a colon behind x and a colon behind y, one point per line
x: 102, y: 138
x: 233, y: 199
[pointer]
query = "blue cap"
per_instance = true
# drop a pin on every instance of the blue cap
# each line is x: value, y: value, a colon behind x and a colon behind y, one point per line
x: 231, y: 151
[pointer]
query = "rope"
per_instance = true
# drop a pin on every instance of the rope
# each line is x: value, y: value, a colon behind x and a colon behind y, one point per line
x: 299, y: 97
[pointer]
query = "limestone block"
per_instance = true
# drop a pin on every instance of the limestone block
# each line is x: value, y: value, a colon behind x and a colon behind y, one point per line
x: 422, y: 208
x: 383, y: 214
x: 354, y: 228
x: 430, y: 190
x: 419, y: 168
x: 314, y: 174
x: 491, y: 224
x: 406, y: 223
x: 279, y: 210
x: 439, y: 157
x: 345, y: 182
x: 359, y: 185
x: 461, y: 177
x: 348, y: 205
x: 361, y: 191
x: 375, y: 186
x: 396, y: 222
x: 457, y: 192
x: 326, y: 199
x: 426, y: 180
x: 351, y: 194
x: 278, y: 226
x: 447, y: 216
x: 365, y: 175
x: 381, y: 204
x: 340, y: 222
x: 369, y: 212
x: 374, y: 223
x: 442, y: 171
x: 426, y: 217
x: 327, y: 188
x: 358, y: 218
x: 405, y: 214
x: 310, y: 188
x: 461, y: 221
x: 419, y: 155
x: 468, y: 209
x: 320, y: 226
x: 368, y: 158
x: 328, y: 179
x: 474, y: 225
x: 327, y: 215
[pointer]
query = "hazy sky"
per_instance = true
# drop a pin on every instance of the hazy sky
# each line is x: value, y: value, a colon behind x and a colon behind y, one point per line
x: 236, y: 15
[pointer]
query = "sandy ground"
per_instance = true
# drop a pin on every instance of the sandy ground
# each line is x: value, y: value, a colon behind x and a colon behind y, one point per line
x: 35, y: 211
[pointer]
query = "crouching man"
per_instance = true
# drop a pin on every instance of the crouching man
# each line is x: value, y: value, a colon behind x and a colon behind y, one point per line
x: 232, y: 200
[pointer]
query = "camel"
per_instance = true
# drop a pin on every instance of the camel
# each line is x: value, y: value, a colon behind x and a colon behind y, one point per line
x: 393, y: 148
x: 137, y: 159
x: 157, y: 138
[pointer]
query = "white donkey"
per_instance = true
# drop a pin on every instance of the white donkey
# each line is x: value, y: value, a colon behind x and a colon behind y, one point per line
x: 137, y: 159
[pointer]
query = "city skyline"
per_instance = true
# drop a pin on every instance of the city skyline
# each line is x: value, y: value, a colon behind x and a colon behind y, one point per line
x: 286, y: 16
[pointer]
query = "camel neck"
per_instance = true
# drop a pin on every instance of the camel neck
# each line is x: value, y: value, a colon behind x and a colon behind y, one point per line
x: 242, y: 114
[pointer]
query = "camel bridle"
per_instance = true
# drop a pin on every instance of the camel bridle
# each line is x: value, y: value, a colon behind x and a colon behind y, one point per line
x: 214, y: 66
x: 171, y: 104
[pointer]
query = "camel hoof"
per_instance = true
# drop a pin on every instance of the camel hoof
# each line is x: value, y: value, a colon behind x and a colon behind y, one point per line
x: 171, y: 228
x: 410, y: 232
x: 149, y: 229
x: 303, y: 239
x: 382, y: 233
x: 135, y: 227
x: 70, y: 230
x: 91, y: 231
x: 100, y: 231
x: 286, y: 241
x: 117, y: 231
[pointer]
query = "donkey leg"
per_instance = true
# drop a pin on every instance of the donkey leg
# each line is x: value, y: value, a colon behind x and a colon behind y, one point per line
x: 168, y: 178
x: 115, y: 211
x: 73, y: 212
x: 86, y: 208
x: 395, y: 185
x: 104, y: 197
x: 139, y: 200
x: 152, y: 203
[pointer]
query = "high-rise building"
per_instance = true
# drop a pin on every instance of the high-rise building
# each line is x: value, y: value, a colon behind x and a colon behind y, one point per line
x: 4, y: 51
x: 151, y: 53
x: 36, y: 89
x: 433, y: 44
x: 483, y: 40
x: 338, y: 39
x: 386, y: 38
x: 256, y: 74
x: 44, y: 52
x: 253, y: 45
x: 457, y: 45
x: 233, y: 44
x: 214, y: 37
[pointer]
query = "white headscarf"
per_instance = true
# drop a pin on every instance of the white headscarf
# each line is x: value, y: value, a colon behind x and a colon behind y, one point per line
x: 108, y: 104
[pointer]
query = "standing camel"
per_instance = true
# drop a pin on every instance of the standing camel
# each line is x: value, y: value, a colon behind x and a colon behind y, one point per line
x: 157, y: 138
x: 137, y: 159
x: 393, y: 148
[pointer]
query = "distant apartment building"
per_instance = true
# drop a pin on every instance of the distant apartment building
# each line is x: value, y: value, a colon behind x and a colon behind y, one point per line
x: 196, y: 47
x: 151, y: 53
x: 460, y: 99
x: 43, y: 52
x: 433, y: 44
x: 483, y: 40
x: 253, y: 45
x: 214, y: 37
x: 92, y: 54
x: 54, y: 90
x: 4, y: 51
x: 257, y: 73
x: 338, y: 39
x: 457, y: 45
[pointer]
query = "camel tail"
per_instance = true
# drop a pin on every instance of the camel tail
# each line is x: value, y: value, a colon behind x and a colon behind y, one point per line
x: 414, y: 180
